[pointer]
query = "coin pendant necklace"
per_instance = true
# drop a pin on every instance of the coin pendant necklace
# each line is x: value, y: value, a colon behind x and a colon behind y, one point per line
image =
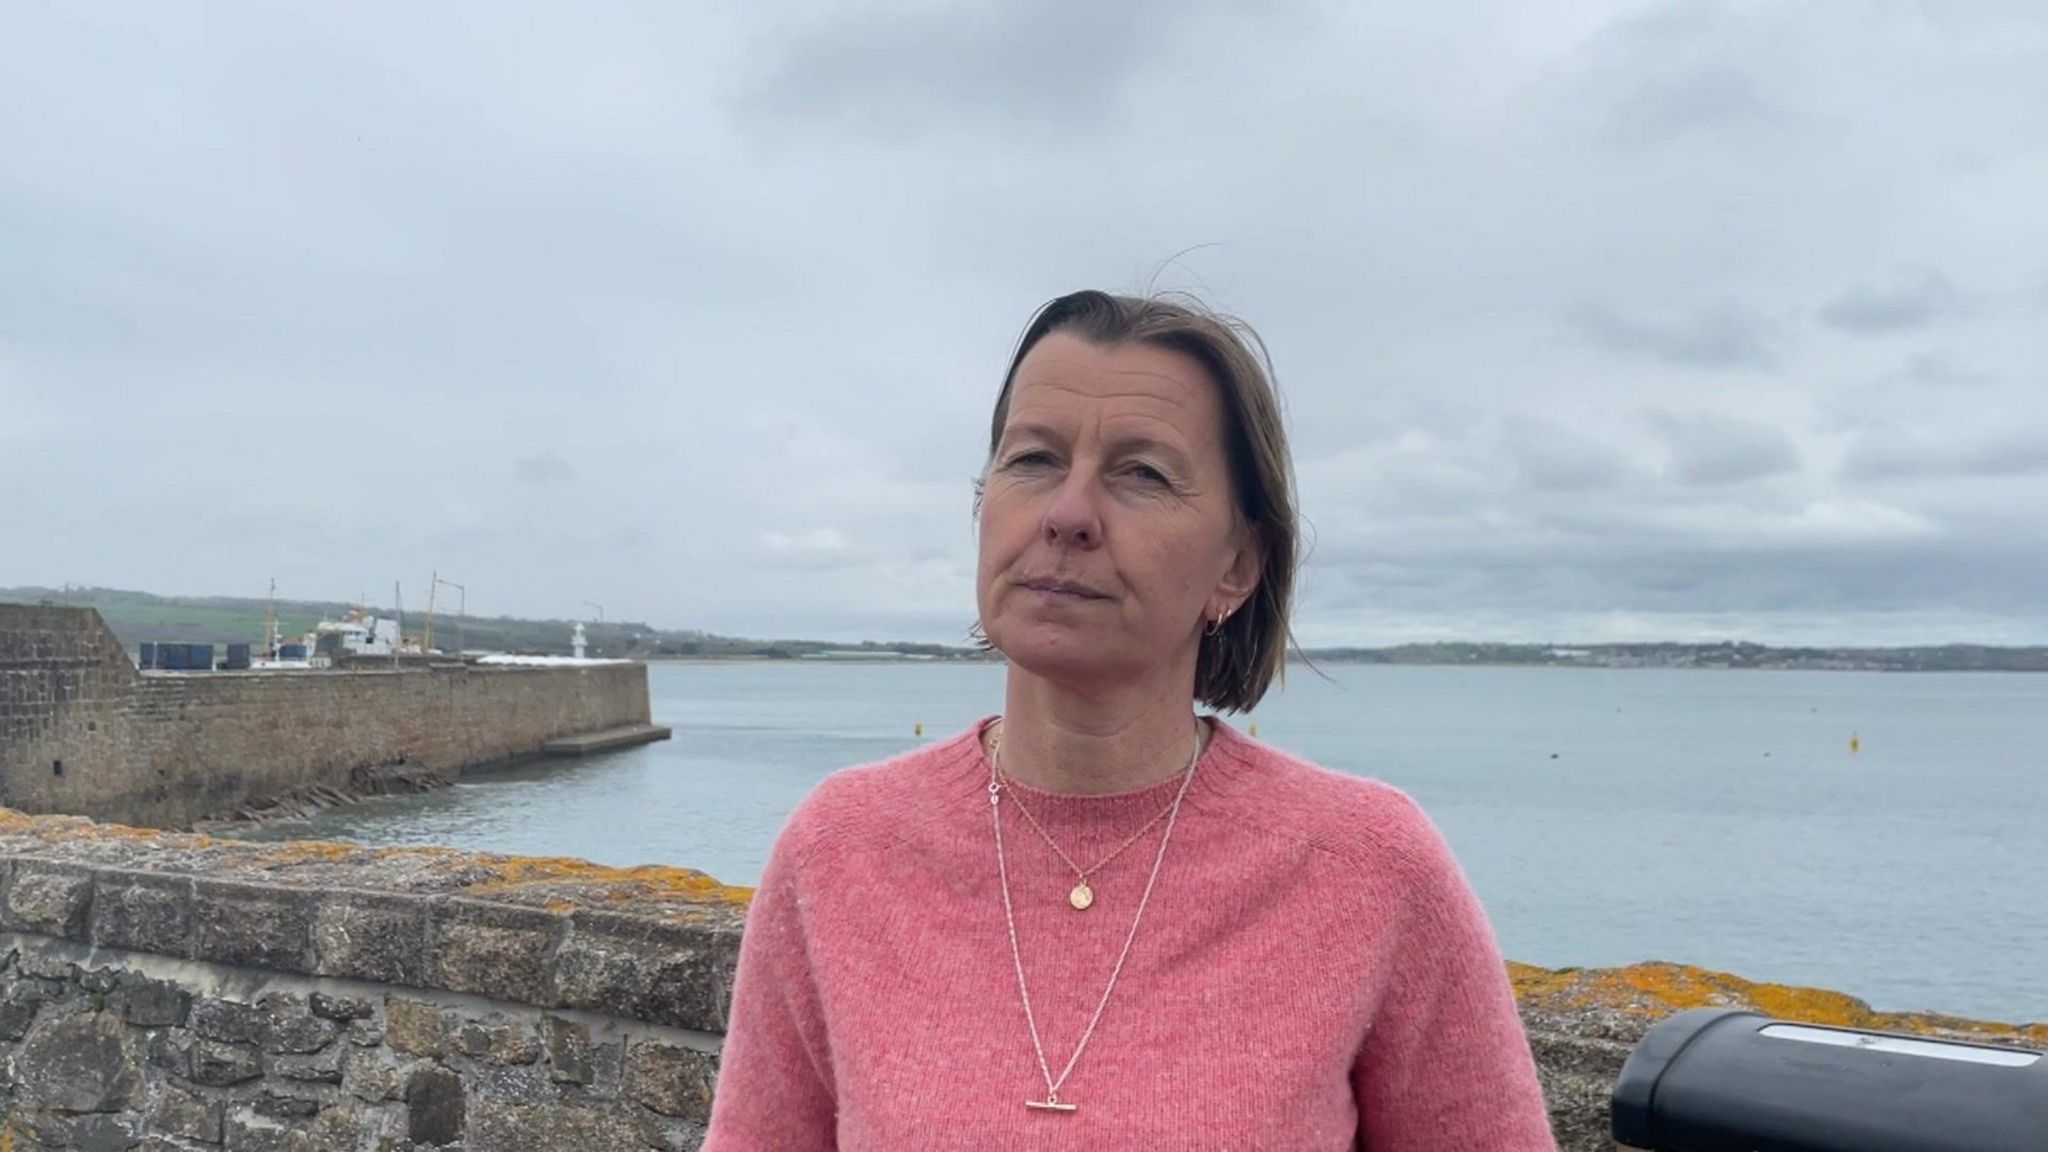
x: 1052, y: 1102
x: 1081, y: 897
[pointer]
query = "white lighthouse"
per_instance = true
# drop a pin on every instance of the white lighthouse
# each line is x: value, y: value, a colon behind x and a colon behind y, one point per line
x: 576, y: 644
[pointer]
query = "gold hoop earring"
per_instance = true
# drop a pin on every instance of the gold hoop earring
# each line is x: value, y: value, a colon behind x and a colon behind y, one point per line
x: 1216, y: 625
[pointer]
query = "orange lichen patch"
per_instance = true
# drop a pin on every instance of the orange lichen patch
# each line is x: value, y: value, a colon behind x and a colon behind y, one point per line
x: 51, y: 829
x: 424, y: 851
x: 289, y: 852
x: 1657, y: 989
x: 655, y: 881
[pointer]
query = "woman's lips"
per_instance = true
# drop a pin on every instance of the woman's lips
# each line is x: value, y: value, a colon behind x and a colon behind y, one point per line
x: 1063, y: 590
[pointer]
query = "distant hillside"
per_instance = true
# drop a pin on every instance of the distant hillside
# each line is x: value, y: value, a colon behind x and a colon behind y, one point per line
x: 139, y: 616
x: 1726, y: 654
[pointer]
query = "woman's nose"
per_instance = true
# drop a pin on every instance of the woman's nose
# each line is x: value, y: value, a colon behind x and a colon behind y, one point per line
x: 1071, y: 518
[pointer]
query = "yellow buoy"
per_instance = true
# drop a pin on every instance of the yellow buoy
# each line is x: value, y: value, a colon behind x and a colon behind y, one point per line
x: 1855, y: 744
x: 1254, y: 729
x: 920, y: 728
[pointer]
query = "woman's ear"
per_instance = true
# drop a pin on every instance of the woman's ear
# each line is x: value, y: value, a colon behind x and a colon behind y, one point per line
x: 1241, y: 579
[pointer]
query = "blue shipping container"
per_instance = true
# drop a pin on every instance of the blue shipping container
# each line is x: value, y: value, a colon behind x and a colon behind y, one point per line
x: 148, y: 657
x: 238, y: 656
x: 291, y: 651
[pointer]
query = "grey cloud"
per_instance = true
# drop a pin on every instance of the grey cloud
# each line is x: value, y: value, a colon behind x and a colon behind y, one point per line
x: 1678, y: 75
x: 1665, y: 110
x: 1899, y: 454
x: 1908, y: 301
x: 1582, y: 580
x: 640, y: 305
x: 1551, y: 457
x: 1040, y: 66
x: 1938, y: 369
x: 543, y: 468
x: 1716, y: 336
x: 1714, y: 448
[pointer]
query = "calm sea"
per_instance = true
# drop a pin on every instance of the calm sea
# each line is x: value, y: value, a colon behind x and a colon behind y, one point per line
x: 1605, y: 817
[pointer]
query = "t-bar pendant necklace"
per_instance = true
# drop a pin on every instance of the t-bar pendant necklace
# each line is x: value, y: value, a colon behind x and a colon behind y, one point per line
x: 1052, y: 1101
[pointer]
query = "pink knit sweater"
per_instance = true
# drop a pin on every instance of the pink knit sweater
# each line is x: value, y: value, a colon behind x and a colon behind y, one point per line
x: 1313, y: 972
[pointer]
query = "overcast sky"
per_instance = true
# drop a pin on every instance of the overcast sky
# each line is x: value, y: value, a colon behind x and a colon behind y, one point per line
x: 1594, y: 320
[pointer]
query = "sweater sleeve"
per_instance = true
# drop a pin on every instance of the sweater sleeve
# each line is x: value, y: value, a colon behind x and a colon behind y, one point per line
x: 1446, y: 1066
x: 775, y: 1084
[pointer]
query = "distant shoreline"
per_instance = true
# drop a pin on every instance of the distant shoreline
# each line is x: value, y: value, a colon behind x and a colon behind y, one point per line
x: 137, y: 617
x: 1314, y: 659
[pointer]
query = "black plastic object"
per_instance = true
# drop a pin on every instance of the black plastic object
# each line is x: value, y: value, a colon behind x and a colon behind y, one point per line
x: 1724, y: 1080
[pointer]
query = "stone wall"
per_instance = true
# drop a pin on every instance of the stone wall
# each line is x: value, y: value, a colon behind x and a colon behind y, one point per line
x: 170, y: 991
x: 82, y: 732
x: 165, y: 992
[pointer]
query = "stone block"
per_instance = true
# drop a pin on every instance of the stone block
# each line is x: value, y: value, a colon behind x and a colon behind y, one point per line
x: 52, y: 899
x: 568, y: 1048
x: 414, y: 1027
x: 373, y: 1074
x: 142, y: 911
x: 99, y: 980
x: 275, y: 1023
x: 497, y: 1125
x: 230, y: 1021
x: 148, y: 1003
x: 671, y: 1135
x: 321, y: 1067
x: 187, y: 1115
x: 285, y: 1106
x: 382, y: 938
x: 639, y: 969
x: 250, y: 926
x: 494, y: 950
x: 18, y: 1008
x: 495, y: 1040
x: 94, y: 1132
x: 85, y: 1062
x: 670, y: 1080
x: 290, y: 1027
x: 342, y: 1007
x: 435, y: 1109
x: 218, y: 1065
x: 247, y: 1130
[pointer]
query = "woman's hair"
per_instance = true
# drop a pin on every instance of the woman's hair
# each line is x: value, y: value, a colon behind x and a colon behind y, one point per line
x: 1238, y: 663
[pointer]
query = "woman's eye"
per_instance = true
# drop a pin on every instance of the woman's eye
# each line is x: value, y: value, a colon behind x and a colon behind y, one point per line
x: 1029, y: 459
x: 1148, y: 474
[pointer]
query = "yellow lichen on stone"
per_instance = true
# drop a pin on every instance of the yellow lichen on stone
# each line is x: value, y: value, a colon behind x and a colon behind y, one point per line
x: 605, y: 882
x: 1657, y: 989
x: 302, y: 851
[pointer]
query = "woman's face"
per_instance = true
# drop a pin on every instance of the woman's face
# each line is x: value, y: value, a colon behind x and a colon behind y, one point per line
x: 1108, y: 529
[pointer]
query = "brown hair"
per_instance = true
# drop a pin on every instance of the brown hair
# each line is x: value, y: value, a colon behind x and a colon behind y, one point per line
x: 1238, y: 663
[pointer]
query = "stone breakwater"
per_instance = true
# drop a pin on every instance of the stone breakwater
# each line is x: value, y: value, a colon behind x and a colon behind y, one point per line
x: 82, y: 732
x: 166, y: 991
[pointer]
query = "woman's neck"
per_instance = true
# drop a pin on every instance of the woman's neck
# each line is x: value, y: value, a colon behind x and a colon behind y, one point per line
x: 1057, y: 740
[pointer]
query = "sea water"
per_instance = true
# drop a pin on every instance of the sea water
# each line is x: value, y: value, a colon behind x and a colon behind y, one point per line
x: 1884, y: 835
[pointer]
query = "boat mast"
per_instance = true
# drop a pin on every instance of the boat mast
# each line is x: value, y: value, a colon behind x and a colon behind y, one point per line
x: 270, y: 637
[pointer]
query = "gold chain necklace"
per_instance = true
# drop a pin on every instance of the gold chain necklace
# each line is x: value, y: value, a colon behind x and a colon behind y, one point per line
x: 1082, y: 896
x: 1052, y: 1101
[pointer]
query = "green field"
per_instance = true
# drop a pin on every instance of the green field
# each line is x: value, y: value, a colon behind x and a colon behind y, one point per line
x: 137, y: 617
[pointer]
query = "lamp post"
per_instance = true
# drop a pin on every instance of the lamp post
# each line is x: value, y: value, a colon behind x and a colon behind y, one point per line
x: 461, y: 612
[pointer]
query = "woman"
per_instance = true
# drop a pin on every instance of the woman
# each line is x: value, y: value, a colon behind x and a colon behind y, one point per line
x: 1098, y: 921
